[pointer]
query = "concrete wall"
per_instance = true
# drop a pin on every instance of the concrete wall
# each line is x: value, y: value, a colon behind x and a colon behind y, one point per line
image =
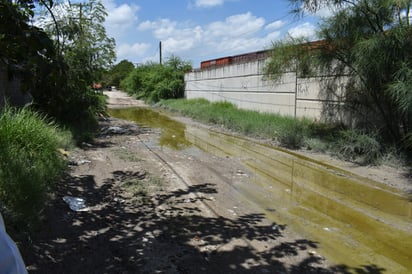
x: 244, y: 85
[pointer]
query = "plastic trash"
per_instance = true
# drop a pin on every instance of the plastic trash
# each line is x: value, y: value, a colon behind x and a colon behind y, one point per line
x: 82, y: 162
x: 75, y: 203
x: 114, y: 130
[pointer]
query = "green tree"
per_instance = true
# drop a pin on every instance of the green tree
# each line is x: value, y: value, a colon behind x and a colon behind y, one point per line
x: 119, y: 72
x: 154, y: 82
x: 80, y: 35
x: 84, y: 51
x: 58, y: 74
x: 24, y: 49
x: 370, y: 42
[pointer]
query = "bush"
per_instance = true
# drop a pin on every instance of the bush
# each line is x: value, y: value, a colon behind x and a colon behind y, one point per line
x: 292, y: 136
x: 84, y: 128
x: 358, y: 147
x: 316, y: 145
x: 154, y: 82
x: 29, y: 163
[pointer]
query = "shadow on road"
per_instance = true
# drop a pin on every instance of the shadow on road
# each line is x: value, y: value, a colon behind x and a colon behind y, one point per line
x: 162, y: 235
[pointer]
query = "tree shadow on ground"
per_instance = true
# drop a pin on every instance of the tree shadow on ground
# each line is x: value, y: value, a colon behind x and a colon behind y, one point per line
x: 162, y: 235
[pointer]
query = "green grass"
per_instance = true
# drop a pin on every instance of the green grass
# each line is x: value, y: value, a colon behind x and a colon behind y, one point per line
x: 142, y: 189
x: 29, y: 163
x: 126, y: 155
x: 248, y: 122
x: 347, y: 144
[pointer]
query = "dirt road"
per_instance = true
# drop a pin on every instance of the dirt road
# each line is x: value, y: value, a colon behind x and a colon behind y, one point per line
x: 149, y: 209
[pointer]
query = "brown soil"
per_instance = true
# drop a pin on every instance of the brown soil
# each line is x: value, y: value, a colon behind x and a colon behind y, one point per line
x: 155, y: 210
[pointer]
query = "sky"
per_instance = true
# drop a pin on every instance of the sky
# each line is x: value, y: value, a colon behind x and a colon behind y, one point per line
x: 199, y: 30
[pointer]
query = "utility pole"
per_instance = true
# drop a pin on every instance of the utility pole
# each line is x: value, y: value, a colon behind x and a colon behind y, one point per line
x: 160, y: 52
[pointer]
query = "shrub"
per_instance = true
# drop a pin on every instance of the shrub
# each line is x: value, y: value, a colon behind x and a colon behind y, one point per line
x: 154, y: 82
x: 316, y: 145
x: 29, y: 163
x: 358, y: 147
x: 85, y: 127
x: 291, y: 136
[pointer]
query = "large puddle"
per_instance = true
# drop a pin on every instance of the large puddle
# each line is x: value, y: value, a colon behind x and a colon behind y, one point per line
x: 357, y: 222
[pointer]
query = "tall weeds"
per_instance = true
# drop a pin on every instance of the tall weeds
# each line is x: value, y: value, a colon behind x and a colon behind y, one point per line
x: 29, y: 163
x: 288, y: 132
x: 253, y: 123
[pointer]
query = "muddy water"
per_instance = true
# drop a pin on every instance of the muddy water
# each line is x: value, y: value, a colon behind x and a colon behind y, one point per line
x: 357, y: 222
x: 173, y: 132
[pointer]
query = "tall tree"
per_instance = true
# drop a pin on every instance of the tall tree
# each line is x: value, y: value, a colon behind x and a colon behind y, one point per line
x: 79, y: 32
x: 25, y: 50
x: 370, y: 42
x: 119, y: 72
x: 56, y: 77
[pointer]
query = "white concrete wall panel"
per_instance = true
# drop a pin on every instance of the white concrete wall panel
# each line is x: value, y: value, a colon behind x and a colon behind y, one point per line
x: 244, y: 85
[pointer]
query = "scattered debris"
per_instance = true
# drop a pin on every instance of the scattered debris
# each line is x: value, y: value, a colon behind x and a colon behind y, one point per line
x: 84, y: 144
x: 63, y: 152
x: 77, y: 162
x: 118, y: 200
x: 232, y: 212
x: 114, y: 130
x: 312, y: 252
x: 75, y: 203
x: 82, y: 162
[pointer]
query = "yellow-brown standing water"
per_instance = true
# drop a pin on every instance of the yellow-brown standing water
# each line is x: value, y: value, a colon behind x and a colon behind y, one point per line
x: 357, y: 222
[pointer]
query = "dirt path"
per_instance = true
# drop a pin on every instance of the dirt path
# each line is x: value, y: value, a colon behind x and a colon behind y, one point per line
x: 154, y: 210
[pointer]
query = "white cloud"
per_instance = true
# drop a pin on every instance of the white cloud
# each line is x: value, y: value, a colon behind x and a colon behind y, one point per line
x: 326, y: 12
x: 147, y: 25
x: 233, y: 35
x: 272, y: 37
x: 120, y: 21
x: 275, y: 25
x: 208, y: 3
x: 162, y: 28
x: 132, y: 51
x: 122, y: 16
x: 237, y: 45
x: 305, y: 30
x: 236, y: 25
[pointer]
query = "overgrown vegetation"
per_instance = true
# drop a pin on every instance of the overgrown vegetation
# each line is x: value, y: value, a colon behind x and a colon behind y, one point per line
x: 117, y: 73
x: 369, y: 42
x: 141, y: 189
x: 29, y: 163
x: 153, y: 82
x: 80, y: 40
x: 348, y: 144
x: 56, y: 63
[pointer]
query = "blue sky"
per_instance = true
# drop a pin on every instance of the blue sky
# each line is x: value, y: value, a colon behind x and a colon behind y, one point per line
x: 198, y: 30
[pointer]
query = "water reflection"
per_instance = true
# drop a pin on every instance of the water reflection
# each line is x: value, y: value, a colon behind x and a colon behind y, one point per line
x: 355, y: 220
x: 173, y: 132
